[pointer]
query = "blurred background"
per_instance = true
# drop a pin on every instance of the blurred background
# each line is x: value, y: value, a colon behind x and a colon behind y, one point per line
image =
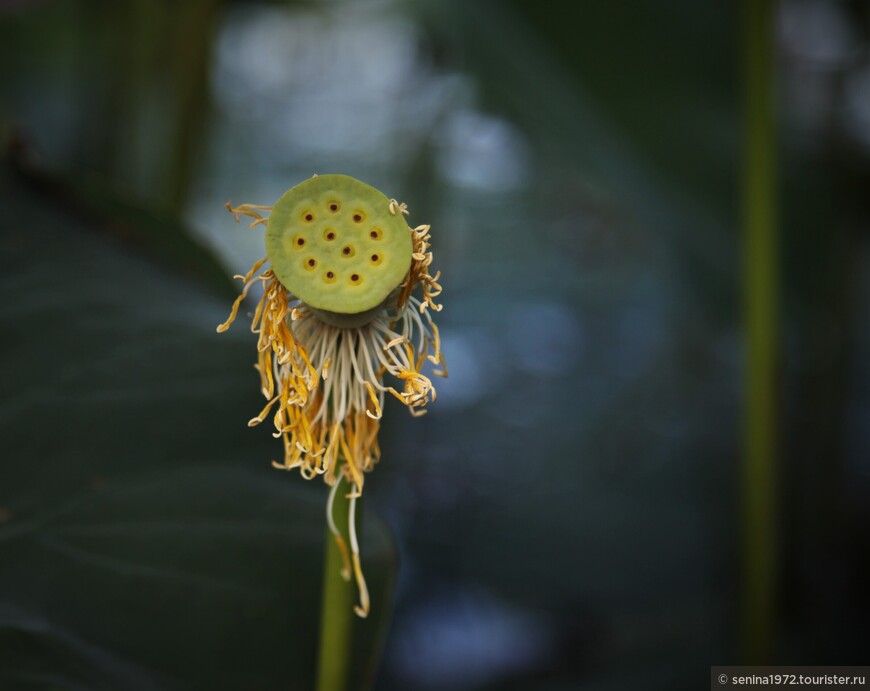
x: 570, y: 513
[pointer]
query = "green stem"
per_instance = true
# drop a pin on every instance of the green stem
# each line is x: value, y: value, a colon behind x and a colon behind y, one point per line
x: 336, y: 614
x: 194, y: 46
x: 762, y: 333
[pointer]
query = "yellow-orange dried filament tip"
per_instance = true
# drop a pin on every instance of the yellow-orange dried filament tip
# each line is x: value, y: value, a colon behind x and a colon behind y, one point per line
x: 339, y: 326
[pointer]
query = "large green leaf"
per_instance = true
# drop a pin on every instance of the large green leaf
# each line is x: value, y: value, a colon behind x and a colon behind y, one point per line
x: 145, y: 541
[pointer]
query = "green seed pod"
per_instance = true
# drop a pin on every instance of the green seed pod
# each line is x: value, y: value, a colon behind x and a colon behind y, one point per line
x: 335, y: 243
x: 344, y: 251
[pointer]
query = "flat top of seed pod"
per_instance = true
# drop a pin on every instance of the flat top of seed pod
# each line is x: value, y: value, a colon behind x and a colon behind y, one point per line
x: 334, y: 244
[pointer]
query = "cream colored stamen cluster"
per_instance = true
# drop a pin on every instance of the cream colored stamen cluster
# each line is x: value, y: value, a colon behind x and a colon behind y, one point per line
x: 326, y: 384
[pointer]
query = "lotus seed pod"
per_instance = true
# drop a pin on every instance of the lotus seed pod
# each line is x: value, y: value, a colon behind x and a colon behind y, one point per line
x: 339, y: 328
x: 334, y: 243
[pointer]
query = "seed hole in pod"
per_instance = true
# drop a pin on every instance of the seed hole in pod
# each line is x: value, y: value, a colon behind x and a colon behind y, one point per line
x: 329, y: 276
x: 358, y: 217
x: 376, y: 259
x: 334, y: 206
x: 310, y: 263
x: 347, y: 251
x: 308, y: 217
x: 329, y: 234
x: 355, y: 278
x: 376, y: 234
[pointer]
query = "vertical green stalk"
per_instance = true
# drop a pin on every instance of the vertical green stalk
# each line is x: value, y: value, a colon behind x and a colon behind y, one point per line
x: 197, y: 20
x: 761, y: 313
x: 336, y: 614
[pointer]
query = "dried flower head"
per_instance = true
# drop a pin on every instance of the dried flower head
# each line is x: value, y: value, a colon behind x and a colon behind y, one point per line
x: 341, y: 324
